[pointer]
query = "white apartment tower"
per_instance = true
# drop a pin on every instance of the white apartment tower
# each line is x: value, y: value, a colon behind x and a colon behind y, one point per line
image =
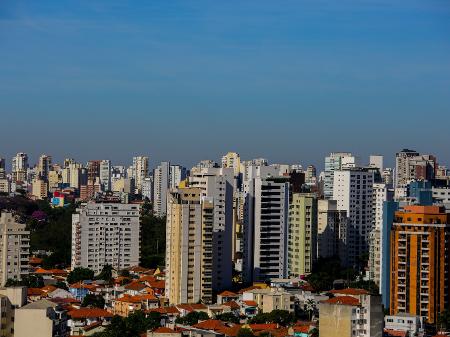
x: 106, y: 233
x: 105, y: 175
x: 218, y: 185
x: 19, y: 167
x: 44, y: 164
x: 161, y: 188
x: 270, y: 219
x: 352, y: 189
x: 14, y: 248
x: 334, y: 162
x: 139, y: 171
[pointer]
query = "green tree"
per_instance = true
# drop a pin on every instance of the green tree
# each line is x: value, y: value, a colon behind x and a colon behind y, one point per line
x: 245, y: 332
x: 91, y: 300
x: 80, y: 274
x: 153, y: 230
x: 228, y: 317
x: 192, y: 318
x: 61, y: 285
x: 443, y: 321
x: 106, y: 274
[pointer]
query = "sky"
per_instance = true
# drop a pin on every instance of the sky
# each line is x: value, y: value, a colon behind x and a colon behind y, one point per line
x: 185, y: 80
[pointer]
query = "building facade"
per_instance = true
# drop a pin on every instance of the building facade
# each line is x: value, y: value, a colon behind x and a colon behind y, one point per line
x: 106, y: 234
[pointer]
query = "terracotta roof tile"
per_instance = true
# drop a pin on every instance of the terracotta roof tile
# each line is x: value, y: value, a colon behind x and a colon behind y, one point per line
x: 350, y: 291
x: 228, y: 294
x: 343, y: 300
x: 89, y: 313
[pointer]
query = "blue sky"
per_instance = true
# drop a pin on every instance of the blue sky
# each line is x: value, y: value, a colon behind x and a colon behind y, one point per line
x: 190, y: 80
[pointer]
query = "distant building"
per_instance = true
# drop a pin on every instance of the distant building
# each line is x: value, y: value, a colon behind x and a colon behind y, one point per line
x: 11, y: 298
x: 334, y: 162
x: 44, y: 166
x: 14, y: 248
x: 302, y: 242
x: 105, y: 175
x: 410, y: 165
x: 332, y: 226
x: 19, y: 167
x: 139, y: 171
x: 106, y: 234
x: 39, y: 189
x: 232, y: 160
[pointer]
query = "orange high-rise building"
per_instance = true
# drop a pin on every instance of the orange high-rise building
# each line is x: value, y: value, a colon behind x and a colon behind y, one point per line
x: 420, y: 262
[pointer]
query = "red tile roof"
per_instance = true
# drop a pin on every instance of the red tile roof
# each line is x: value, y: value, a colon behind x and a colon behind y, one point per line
x: 158, y: 284
x: 343, y: 300
x: 257, y: 327
x: 228, y: 294
x: 250, y: 303
x: 89, y: 313
x: 164, y: 330
x: 350, y: 291
x: 232, y: 305
x: 137, y: 286
x: 210, y: 324
x: 35, y: 292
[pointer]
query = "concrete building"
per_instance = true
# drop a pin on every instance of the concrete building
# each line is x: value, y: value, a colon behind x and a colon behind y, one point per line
x: 161, y: 176
x: 353, y: 193
x: 381, y: 194
x: 44, y: 165
x: 270, y: 237
x: 11, y: 298
x: 351, y: 313
x: 14, y: 248
x: 39, y: 189
x: 311, y: 175
x: 270, y: 299
x: 376, y: 161
x: 19, y: 167
x: 219, y: 184
x: 147, y: 188
x: 302, y: 242
x: 105, y: 175
x: 410, y: 165
x: 2, y: 168
x: 41, y: 319
x: 5, y: 186
x: 139, y: 171
x: 106, y: 233
x: 232, y: 160
x: 165, y: 177
x: 420, y: 262
x: 334, y: 162
x: 332, y: 230
x: 411, y: 324
x: 189, y: 247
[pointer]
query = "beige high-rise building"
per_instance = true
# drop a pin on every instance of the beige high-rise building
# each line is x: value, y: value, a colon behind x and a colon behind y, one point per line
x: 302, y: 241
x: 14, y: 249
x: 189, y: 246
x: 44, y: 164
x: 39, y: 189
x: 53, y: 179
x: 232, y: 160
x: 5, y: 186
x: 139, y: 171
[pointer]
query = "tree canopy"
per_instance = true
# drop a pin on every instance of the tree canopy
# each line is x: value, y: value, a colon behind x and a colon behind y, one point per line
x: 80, y: 274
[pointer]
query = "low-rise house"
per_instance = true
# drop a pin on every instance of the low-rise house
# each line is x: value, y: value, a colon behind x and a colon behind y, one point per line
x: 352, y: 313
x: 168, y: 314
x: 404, y: 322
x: 79, y: 290
x: 270, y: 299
x: 127, y: 304
x: 135, y: 288
x: 164, y: 332
x: 227, y: 296
x: 87, y: 321
x: 249, y: 308
x: 185, y: 309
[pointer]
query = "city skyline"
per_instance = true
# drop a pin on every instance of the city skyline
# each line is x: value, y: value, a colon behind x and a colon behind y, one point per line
x: 187, y: 81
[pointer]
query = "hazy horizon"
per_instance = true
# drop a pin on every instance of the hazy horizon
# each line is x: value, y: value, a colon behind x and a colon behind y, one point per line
x: 191, y: 80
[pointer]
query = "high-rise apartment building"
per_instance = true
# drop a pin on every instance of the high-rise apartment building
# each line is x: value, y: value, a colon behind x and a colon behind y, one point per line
x: 302, y: 242
x: 334, y: 162
x: 177, y: 174
x: 161, y: 176
x: 14, y: 248
x: 93, y: 170
x: 353, y: 192
x: 332, y: 230
x: 376, y: 161
x: 105, y: 175
x: 311, y: 175
x: 270, y: 228
x: 218, y: 184
x: 139, y: 171
x: 232, y: 160
x: 189, y: 247
x: 19, y: 167
x: 39, y: 189
x: 420, y: 262
x: 2, y: 168
x: 44, y: 165
x: 106, y: 234
x: 410, y: 165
